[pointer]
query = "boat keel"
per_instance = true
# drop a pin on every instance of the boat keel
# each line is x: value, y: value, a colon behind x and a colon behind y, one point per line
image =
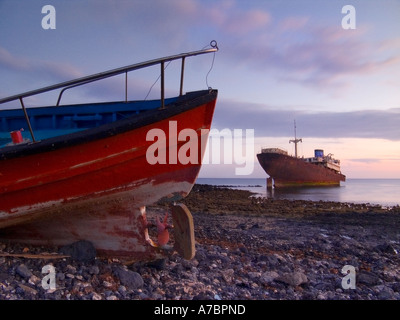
x: 115, y: 234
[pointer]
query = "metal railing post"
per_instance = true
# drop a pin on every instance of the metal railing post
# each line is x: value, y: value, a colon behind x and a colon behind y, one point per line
x: 182, y: 73
x: 27, y: 120
x: 126, y: 86
x: 162, y: 85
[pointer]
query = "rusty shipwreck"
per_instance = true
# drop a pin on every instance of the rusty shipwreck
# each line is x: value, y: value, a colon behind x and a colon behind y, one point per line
x: 285, y: 170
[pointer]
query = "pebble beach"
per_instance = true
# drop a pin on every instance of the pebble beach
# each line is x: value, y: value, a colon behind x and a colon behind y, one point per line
x: 247, y: 248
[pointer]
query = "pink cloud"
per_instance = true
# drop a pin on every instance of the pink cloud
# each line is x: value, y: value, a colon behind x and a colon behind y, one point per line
x: 233, y: 20
x: 58, y: 71
x: 315, y: 55
x: 246, y: 22
x: 293, y: 23
x: 8, y: 61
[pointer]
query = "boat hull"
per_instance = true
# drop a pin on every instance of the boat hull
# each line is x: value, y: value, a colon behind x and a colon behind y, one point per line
x: 95, y: 186
x: 287, y: 171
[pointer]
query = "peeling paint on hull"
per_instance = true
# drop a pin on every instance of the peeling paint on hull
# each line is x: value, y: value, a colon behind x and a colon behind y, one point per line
x: 116, y: 224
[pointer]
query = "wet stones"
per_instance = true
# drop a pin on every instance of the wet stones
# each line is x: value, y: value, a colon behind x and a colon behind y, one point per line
x: 81, y: 251
x: 129, y: 278
x: 279, y: 250
x: 268, y: 277
x: 23, y: 271
x: 368, y: 278
x: 293, y: 278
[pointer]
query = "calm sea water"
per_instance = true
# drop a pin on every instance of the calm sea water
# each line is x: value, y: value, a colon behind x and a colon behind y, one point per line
x: 384, y: 192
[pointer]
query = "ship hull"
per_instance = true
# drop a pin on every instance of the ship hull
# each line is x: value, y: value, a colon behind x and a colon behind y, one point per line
x: 287, y: 171
x: 95, y: 185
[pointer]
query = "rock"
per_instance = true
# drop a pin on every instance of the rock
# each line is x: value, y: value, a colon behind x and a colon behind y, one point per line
x: 387, y: 248
x: 34, y: 280
x: 243, y: 249
x: 81, y: 250
x: 60, y: 276
x: 396, y: 287
x: 322, y: 296
x: 279, y: 258
x: 128, y: 278
x: 96, y: 296
x: 255, y: 226
x: 94, y: 270
x: 70, y: 269
x: 27, y: 289
x: 202, y: 296
x: 3, y: 276
x: 107, y: 284
x: 241, y: 226
x: 201, y: 255
x: 23, y: 271
x: 293, y: 279
x: 309, y: 296
x: 158, y: 264
x: 228, y: 275
x: 272, y: 260
x: 384, y: 292
x: 253, y: 275
x: 325, y: 286
x: 367, y: 278
x: 268, y: 277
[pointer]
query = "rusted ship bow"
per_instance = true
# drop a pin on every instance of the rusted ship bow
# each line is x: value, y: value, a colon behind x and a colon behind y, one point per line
x: 85, y: 172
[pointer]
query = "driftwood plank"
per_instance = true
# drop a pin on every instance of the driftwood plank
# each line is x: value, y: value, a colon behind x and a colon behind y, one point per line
x: 33, y: 256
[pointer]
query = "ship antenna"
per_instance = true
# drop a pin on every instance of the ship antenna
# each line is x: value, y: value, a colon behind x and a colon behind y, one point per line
x: 295, y: 141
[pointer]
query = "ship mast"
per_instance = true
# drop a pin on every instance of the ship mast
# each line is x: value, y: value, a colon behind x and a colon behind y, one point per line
x: 295, y: 141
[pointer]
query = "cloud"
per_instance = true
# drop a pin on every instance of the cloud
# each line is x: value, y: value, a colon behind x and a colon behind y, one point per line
x: 270, y: 122
x: 175, y: 22
x: 293, y: 23
x: 241, y: 23
x: 56, y: 71
x: 366, y: 160
x: 312, y: 55
x: 159, y: 23
x: 8, y: 61
x: 372, y: 160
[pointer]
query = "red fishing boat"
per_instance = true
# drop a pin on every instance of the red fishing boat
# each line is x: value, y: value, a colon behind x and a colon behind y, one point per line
x: 88, y: 171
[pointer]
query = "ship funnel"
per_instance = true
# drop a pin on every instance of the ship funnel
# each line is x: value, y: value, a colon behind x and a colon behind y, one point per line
x: 318, y: 153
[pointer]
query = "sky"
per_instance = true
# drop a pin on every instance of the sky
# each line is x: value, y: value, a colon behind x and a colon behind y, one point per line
x: 334, y: 72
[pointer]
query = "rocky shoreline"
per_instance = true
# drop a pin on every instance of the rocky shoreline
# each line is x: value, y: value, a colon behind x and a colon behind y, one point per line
x: 247, y: 248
